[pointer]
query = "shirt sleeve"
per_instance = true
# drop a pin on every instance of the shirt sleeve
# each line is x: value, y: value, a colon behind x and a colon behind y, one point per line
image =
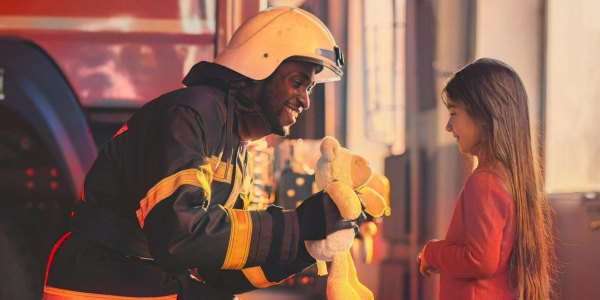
x: 186, y: 227
x: 485, y: 216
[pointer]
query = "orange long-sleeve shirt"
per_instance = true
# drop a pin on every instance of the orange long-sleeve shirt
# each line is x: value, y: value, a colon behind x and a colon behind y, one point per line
x: 474, y: 256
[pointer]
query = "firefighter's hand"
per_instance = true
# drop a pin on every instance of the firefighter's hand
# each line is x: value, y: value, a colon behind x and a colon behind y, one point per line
x: 319, y: 216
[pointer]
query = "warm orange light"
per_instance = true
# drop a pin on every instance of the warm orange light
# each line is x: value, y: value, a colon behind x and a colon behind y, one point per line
x: 52, y: 255
x: 368, y: 228
x: 291, y: 193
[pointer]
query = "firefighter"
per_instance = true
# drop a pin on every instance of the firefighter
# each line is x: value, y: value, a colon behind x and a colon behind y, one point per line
x: 164, y: 209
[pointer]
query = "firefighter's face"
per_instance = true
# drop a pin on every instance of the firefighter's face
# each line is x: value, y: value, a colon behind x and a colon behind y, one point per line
x: 284, y: 94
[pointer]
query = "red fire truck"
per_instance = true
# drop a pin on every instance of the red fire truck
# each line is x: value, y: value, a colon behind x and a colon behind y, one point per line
x: 71, y: 73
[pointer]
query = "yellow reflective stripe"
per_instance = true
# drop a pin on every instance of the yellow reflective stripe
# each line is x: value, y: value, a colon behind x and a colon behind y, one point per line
x: 239, y: 240
x: 257, y: 277
x: 219, y: 169
x: 201, y: 178
x: 235, y: 191
x: 51, y: 293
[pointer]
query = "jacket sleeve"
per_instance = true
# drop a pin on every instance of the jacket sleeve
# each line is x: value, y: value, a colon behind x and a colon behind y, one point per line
x: 486, y: 208
x: 186, y: 227
x: 248, y: 279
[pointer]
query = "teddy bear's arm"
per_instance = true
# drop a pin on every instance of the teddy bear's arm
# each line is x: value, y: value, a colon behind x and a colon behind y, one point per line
x: 346, y: 200
x: 374, y: 203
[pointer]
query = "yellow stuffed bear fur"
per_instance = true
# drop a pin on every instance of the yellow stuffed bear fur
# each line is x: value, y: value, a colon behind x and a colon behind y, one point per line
x: 343, y: 176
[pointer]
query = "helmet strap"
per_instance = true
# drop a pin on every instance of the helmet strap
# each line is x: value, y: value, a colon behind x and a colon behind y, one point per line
x: 229, y: 142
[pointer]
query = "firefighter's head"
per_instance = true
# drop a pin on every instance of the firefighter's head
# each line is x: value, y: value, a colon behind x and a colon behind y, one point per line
x: 285, y: 51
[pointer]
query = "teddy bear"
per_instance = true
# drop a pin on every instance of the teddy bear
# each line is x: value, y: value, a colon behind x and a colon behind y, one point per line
x: 343, y: 176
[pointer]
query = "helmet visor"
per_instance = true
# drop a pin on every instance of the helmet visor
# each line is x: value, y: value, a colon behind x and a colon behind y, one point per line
x: 329, y: 73
x: 331, y: 62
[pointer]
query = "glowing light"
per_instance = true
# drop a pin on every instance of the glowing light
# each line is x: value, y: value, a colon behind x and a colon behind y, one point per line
x: 52, y: 255
x: 291, y: 193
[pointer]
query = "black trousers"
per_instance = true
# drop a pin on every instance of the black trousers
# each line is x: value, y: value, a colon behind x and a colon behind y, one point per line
x: 82, y: 265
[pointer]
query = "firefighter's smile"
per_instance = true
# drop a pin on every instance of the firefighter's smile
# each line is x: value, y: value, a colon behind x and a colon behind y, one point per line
x: 291, y: 114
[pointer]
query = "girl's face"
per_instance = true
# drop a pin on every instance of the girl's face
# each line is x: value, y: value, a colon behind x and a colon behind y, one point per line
x: 463, y: 128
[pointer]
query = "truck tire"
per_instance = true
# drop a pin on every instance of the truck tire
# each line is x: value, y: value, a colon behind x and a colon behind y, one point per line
x: 19, y: 276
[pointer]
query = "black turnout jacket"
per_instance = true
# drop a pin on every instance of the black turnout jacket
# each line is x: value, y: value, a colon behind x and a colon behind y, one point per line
x: 177, y: 170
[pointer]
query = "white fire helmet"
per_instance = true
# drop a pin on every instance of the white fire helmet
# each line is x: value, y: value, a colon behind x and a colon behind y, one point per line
x: 276, y: 34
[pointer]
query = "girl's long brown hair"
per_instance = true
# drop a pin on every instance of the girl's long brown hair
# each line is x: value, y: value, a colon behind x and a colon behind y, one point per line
x: 492, y: 93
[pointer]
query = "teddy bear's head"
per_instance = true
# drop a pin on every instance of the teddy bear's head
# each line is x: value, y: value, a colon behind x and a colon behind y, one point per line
x: 339, y: 164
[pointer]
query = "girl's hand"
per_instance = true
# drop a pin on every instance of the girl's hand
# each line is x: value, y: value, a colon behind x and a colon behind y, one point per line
x: 425, y: 268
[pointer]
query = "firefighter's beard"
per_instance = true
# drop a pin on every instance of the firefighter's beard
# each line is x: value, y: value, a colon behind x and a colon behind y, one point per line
x: 272, y: 108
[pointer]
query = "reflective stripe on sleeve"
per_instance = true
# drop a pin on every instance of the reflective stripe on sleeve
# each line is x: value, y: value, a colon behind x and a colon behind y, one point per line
x: 201, y: 178
x: 51, y: 293
x: 257, y: 277
x: 239, y: 240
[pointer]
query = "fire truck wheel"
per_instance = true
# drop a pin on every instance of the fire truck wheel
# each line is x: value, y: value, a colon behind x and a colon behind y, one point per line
x: 18, y: 276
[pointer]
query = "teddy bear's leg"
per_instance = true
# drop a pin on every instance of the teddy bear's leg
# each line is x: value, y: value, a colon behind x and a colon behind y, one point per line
x: 338, y: 287
x: 322, y: 268
x: 363, y: 292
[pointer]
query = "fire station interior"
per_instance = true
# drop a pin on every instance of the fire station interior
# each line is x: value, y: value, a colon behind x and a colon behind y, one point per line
x: 71, y: 77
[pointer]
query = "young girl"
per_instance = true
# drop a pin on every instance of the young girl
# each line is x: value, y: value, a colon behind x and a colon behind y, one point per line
x: 499, y: 244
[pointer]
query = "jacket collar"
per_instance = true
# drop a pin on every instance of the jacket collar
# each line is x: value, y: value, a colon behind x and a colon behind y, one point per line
x: 251, y: 121
x: 206, y: 73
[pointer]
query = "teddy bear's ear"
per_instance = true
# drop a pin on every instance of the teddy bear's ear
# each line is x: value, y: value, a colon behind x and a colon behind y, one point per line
x: 330, y: 148
x: 361, y: 172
